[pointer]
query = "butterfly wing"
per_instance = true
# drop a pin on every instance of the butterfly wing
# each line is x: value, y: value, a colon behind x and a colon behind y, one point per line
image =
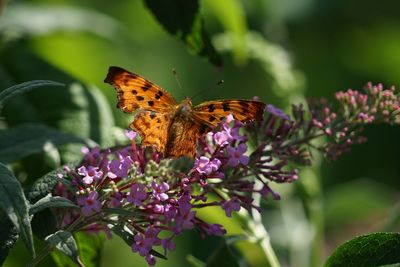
x: 135, y: 92
x: 153, y: 128
x: 213, y: 112
x: 173, y: 136
x: 182, y: 137
x: 185, y: 130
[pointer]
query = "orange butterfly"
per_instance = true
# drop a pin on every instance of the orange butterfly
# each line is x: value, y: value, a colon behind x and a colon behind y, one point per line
x: 171, y: 127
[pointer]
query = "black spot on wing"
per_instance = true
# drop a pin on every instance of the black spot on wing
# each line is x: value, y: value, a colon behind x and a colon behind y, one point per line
x: 225, y: 106
x: 203, y: 128
x: 151, y: 103
x: 153, y: 115
x: 146, y: 87
x: 159, y: 94
x: 211, y: 107
x: 132, y: 75
x: 134, y: 92
x: 245, y: 106
x: 139, y: 98
x: 211, y: 118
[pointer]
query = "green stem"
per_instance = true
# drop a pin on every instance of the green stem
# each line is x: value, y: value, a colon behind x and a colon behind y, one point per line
x: 264, y: 240
x: 260, y: 233
x: 312, y: 199
x: 317, y: 220
x: 41, y: 256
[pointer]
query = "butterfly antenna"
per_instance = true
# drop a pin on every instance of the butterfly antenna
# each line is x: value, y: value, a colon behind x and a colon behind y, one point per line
x: 178, y: 82
x: 219, y: 83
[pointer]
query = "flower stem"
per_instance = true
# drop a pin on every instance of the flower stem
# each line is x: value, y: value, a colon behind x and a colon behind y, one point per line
x: 261, y: 233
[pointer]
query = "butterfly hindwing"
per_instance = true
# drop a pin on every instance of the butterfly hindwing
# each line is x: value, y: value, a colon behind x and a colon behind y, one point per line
x: 135, y: 92
x: 213, y: 112
x: 182, y: 137
x: 153, y: 128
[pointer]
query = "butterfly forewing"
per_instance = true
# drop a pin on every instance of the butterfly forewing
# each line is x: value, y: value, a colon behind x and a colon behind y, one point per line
x: 135, y: 92
x: 213, y: 112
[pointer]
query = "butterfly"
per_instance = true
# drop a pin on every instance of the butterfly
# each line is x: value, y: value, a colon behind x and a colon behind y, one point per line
x: 173, y: 128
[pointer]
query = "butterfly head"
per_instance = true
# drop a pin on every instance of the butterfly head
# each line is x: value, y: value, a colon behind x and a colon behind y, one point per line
x: 185, y: 106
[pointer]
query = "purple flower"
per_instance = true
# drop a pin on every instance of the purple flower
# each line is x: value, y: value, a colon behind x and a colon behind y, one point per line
x: 119, y: 168
x: 231, y: 205
x: 184, y: 203
x: 90, y: 174
x: 115, y: 200
x: 137, y: 194
x: 91, y: 155
x: 222, y: 138
x: 151, y: 260
x: 236, y: 155
x: 151, y: 236
x: 277, y: 112
x: 141, y: 245
x: 185, y: 220
x: 167, y: 244
x: 233, y: 131
x: 144, y: 243
x: 130, y: 134
x: 185, y: 217
x: 215, y: 229
x: 159, y: 190
x: 205, y: 166
x: 229, y: 118
x: 158, y: 208
x: 90, y: 203
x: 170, y: 212
x: 85, y: 150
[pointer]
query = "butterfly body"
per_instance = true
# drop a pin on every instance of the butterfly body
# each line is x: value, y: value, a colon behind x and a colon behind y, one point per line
x: 171, y: 127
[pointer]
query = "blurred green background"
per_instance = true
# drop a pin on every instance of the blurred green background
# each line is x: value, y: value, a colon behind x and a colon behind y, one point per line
x: 279, y: 50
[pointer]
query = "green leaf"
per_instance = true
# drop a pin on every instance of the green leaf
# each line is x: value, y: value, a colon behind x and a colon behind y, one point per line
x: 232, y: 16
x: 368, y: 250
x: 90, y: 247
x: 24, y: 140
x: 24, y: 87
x: 223, y: 256
x: 44, y: 223
x: 45, y: 184
x: 59, y: 18
x: 194, y: 262
x: 51, y: 202
x: 15, y: 205
x: 9, y: 235
x: 123, y: 234
x: 181, y: 18
x: 65, y: 242
x: 78, y: 109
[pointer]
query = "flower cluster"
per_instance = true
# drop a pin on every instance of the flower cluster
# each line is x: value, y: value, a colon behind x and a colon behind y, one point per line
x: 135, y: 192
